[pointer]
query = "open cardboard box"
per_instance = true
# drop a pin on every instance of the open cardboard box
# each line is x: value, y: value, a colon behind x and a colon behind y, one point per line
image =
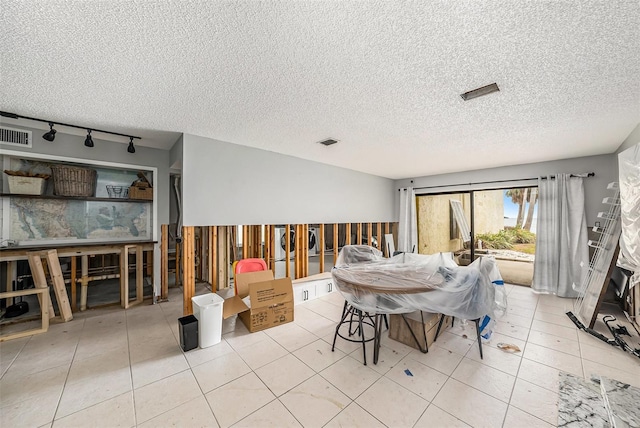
x: 271, y: 300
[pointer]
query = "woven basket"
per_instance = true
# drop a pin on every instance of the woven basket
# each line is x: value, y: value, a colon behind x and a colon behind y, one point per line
x: 73, y: 180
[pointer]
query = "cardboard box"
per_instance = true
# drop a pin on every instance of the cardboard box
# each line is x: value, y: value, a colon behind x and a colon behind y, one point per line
x: 398, y: 328
x: 270, y: 300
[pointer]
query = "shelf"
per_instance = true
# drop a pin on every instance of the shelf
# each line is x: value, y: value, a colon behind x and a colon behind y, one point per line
x: 74, y: 198
x: 611, y: 201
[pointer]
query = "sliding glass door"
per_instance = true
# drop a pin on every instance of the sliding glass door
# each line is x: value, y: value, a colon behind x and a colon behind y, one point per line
x: 499, y: 222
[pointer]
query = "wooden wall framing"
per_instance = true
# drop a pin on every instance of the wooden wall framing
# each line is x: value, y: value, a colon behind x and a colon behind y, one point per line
x: 216, y: 249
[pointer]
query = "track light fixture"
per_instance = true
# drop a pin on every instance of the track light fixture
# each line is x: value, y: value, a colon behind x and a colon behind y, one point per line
x: 88, y: 141
x: 51, y: 135
x: 131, y: 148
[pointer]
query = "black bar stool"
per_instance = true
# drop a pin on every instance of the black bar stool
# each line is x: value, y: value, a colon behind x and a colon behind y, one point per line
x: 352, y: 315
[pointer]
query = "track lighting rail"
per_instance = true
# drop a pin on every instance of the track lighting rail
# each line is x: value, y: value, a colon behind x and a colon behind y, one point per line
x: 50, y: 135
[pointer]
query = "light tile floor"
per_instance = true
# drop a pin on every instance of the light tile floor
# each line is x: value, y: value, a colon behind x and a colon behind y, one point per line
x: 117, y: 368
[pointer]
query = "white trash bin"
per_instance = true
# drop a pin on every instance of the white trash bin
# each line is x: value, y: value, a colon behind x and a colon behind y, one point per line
x: 207, y: 308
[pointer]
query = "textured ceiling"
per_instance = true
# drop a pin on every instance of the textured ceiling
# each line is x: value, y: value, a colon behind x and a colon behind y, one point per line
x: 383, y: 77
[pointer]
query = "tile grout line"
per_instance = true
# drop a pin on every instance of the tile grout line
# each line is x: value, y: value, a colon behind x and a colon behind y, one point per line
x: 133, y: 394
x: 526, y: 342
x: 518, y: 377
x: 16, y: 356
x: 67, y: 377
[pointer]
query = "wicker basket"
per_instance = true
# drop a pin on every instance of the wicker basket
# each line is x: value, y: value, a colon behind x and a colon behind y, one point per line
x: 73, y: 180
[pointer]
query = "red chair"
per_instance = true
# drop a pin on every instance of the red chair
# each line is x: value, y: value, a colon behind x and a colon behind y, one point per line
x: 248, y: 265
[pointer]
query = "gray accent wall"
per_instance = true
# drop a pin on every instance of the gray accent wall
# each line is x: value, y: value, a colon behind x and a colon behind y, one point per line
x: 605, y: 168
x: 226, y: 184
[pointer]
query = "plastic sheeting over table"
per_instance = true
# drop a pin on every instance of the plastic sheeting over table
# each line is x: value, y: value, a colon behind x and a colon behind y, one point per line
x: 410, y: 282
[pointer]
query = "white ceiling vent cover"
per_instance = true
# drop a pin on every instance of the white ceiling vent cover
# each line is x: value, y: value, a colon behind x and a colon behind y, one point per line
x: 15, y: 137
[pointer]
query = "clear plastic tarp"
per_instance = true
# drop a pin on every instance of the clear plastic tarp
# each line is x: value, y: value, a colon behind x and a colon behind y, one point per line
x: 629, y: 175
x: 410, y: 282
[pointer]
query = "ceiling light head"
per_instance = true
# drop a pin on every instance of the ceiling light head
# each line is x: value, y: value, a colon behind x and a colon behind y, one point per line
x: 131, y: 148
x: 51, y: 135
x: 88, y: 141
x: 328, y: 142
x: 479, y: 92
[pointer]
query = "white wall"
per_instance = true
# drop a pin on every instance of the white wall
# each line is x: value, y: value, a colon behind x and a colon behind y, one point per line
x: 631, y: 140
x: 604, y: 166
x: 225, y: 183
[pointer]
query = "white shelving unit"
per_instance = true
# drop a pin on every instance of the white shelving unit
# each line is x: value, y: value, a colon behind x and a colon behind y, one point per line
x: 603, y: 260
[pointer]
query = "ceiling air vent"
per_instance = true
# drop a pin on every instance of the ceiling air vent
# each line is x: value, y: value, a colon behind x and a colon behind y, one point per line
x: 479, y: 92
x: 328, y: 142
x: 15, y: 137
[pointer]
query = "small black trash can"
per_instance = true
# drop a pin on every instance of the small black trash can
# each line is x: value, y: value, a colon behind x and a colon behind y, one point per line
x: 188, y: 327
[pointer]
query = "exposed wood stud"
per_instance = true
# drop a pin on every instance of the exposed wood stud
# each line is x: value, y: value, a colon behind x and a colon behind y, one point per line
x: 210, y: 257
x: 274, y: 250
x: 287, y: 250
x: 214, y: 258
x: 379, y: 235
x: 386, y: 232
x: 124, y: 277
x: 297, y: 251
x: 189, y: 283
x: 164, y: 261
x: 369, y: 234
x: 259, y: 249
x: 139, y: 274
x: 84, y: 281
x: 359, y: 233
x: 305, y: 250
x: 149, y: 264
x: 74, y: 288
x: 335, y: 243
x: 222, y: 263
x: 321, y: 247
x: 347, y: 232
x: 58, y: 285
x: 267, y: 248
x: 178, y: 263
x: 40, y: 280
x: 45, y: 305
x: 245, y: 244
x: 300, y: 250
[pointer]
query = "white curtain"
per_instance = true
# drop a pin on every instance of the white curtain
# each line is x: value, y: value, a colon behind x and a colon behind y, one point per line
x: 408, y: 222
x: 561, y: 242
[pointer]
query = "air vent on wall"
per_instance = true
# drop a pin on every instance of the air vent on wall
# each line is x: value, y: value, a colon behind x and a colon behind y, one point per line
x: 15, y: 137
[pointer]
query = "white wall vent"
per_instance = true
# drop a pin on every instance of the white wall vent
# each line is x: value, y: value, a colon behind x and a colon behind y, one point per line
x: 15, y: 137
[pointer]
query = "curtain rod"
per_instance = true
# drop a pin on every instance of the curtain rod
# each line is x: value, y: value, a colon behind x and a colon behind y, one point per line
x: 588, y: 174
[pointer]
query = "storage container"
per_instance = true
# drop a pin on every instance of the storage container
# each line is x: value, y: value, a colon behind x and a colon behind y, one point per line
x: 73, y: 180
x: 144, y: 193
x: 207, y: 308
x: 26, y: 185
x: 188, y: 330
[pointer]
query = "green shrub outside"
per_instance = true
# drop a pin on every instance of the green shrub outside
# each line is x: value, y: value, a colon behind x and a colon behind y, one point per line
x: 504, y: 239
